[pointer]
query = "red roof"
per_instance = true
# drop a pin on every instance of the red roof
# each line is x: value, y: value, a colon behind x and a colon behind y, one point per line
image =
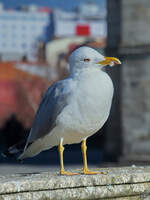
x: 20, y: 94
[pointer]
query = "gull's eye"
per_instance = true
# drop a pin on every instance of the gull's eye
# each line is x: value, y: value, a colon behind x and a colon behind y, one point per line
x: 86, y: 59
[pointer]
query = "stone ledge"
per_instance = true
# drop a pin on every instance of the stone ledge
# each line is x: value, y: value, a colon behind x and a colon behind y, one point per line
x: 119, y: 183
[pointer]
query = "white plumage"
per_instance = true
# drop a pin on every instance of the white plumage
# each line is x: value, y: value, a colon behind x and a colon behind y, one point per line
x: 87, y: 96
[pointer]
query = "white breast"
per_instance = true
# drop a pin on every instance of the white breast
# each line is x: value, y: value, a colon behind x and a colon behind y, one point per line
x: 89, y: 105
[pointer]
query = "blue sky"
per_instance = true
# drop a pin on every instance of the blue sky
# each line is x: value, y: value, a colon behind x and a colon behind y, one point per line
x: 65, y: 4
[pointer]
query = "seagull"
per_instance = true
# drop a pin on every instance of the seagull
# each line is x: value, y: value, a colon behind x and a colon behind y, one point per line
x: 73, y: 109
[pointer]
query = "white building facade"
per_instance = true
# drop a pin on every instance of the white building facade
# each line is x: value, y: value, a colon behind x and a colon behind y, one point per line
x: 20, y: 32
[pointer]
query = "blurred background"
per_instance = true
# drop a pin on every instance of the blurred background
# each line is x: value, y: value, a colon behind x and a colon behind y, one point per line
x: 36, y: 39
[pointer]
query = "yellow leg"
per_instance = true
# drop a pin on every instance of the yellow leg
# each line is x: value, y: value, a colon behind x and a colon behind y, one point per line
x: 62, y: 170
x: 85, y: 167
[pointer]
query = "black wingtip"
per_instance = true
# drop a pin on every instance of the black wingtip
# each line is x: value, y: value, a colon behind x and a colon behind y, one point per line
x: 7, y: 154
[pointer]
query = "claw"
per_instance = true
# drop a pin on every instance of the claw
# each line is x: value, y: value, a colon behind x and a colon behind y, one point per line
x: 63, y: 172
x: 88, y: 172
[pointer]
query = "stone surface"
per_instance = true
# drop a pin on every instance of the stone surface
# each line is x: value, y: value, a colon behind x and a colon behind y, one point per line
x: 135, y: 22
x: 136, y: 106
x: 118, y: 183
x: 135, y: 90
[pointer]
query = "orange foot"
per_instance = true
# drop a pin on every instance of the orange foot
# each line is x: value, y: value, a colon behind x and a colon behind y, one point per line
x: 87, y: 172
x: 63, y: 172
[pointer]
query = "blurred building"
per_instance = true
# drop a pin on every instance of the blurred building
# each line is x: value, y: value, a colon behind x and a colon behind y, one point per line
x: 91, y: 11
x: 88, y: 20
x: 25, y: 31
x: 20, y: 93
x: 20, y: 32
x: 73, y: 29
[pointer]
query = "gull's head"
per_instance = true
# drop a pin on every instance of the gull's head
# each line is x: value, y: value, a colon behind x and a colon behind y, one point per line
x: 86, y: 57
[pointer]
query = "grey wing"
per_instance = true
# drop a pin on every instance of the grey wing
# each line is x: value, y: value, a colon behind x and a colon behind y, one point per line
x: 53, y: 102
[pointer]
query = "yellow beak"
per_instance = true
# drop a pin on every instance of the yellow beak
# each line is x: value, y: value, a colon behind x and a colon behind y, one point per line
x: 110, y: 61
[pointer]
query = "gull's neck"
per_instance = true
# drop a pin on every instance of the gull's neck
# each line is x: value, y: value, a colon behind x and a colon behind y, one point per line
x: 76, y: 72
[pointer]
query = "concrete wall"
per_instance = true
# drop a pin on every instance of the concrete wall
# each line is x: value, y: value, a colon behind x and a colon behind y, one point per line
x: 136, y: 106
x: 135, y: 22
x: 135, y: 51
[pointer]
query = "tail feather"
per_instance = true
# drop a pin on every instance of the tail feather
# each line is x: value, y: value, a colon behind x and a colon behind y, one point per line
x: 32, y: 150
x: 39, y: 145
x: 23, y: 150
